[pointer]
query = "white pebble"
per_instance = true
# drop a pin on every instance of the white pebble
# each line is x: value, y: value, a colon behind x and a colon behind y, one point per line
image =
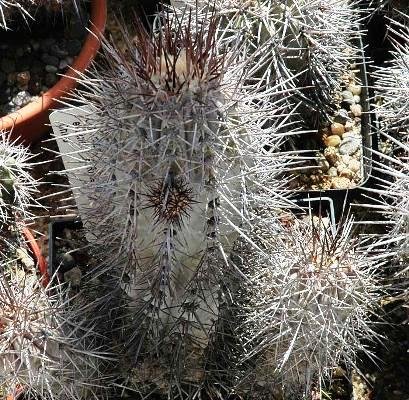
x: 354, y: 89
x: 356, y: 110
x: 354, y: 165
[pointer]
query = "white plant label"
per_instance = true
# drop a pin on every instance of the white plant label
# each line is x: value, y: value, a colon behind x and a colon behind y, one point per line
x: 70, y: 141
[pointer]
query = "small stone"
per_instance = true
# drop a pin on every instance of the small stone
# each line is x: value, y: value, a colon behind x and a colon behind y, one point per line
x: 341, y: 116
x: 349, y: 146
x: 73, y: 276
x: 332, y: 171
x: 66, y: 262
x: 7, y: 65
x: 47, y: 43
x: 347, y: 173
x: 339, y: 372
x: 63, y: 64
x: 21, y: 99
x: 345, y: 159
x: 356, y: 110
x: 337, y: 129
x: 35, y: 45
x: 331, y: 155
x: 73, y: 47
x: 51, y: 68
x: 357, y: 99
x: 340, y: 168
x: 348, y: 126
x: 350, y: 134
x: 50, y: 79
x: 332, y: 141
x: 323, y: 164
x: 354, y: 89
x: 23, y: 256
x: 23, y: 78
x: 347, y: 97
x: 55, y: 50
x: 19, y: 52
x: 11, y: 78
x: 340, y: 182
x: 354, y: 165
x: 50, y: 60
x: 304, y: 178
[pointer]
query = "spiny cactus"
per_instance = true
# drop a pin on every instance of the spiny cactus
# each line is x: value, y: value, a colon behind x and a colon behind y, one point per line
x: 392, y: 89
x: 306, y: 304
x: 17, y: 188
x: 307, y: 45
x: 176, y: 149
x: 48, y: 348
x: 392, y: 82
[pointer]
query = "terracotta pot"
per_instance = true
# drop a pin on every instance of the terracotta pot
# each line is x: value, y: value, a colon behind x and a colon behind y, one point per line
x: 45, y: 279
x: 28, y: 124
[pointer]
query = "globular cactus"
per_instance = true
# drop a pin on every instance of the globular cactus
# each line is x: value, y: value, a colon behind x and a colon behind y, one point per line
x: 49, y: 347
x: 306, y: 305
x: 17, y: 188
x: 177, y: 151
x: 47, y: 342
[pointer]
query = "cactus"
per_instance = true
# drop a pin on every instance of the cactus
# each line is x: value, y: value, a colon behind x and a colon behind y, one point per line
x: 306, y: 304
x: 48, y: 348
x: 392, y: 89
x: 392, y: 82
x: 307, y: 45
x: 47, y: 342
x: 178, y: 152
x: 17, y: 188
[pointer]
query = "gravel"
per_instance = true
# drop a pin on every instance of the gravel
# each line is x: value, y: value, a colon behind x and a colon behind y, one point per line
x: 30, y: 63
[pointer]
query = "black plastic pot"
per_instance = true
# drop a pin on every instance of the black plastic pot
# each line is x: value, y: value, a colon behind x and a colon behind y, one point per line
x: 342, y: 198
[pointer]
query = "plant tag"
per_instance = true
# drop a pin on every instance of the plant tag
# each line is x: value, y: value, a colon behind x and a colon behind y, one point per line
x: 74, y: 144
